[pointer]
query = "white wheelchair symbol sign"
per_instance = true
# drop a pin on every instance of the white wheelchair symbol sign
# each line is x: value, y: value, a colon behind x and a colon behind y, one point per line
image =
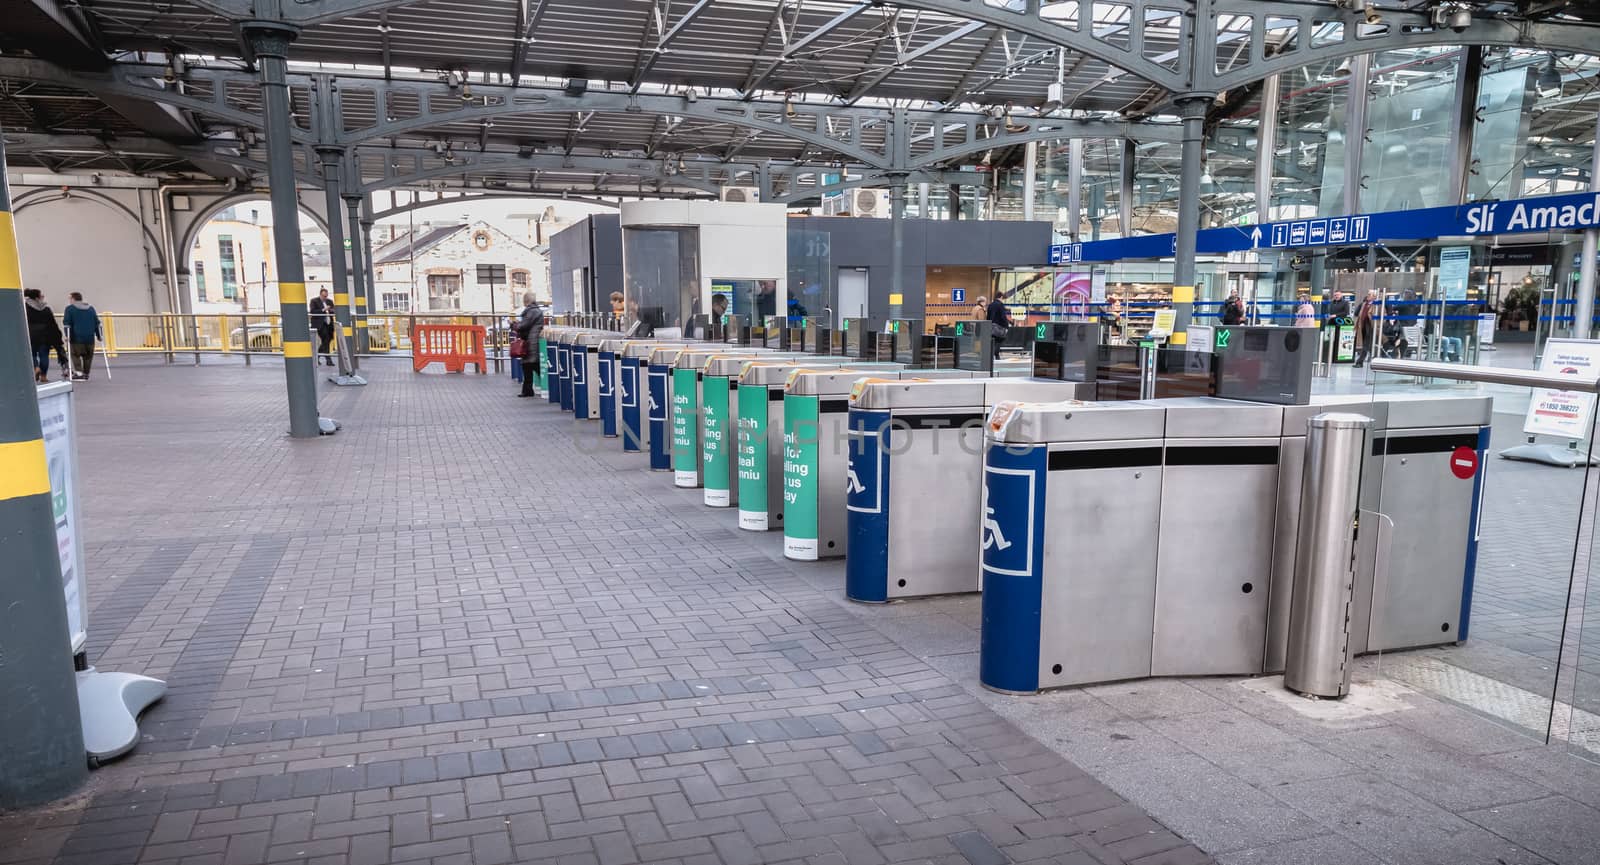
x: 992, y: 535
x: 855, y: 484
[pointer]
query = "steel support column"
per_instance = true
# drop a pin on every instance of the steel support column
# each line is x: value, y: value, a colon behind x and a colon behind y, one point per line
x: 1075, y: 189
x: 1464, y: 120
x: 1583, y: 310
x: 1266, y: 147
x: 360, y: 280
x: 1030, y: 179
x: 1126, y: 193
x: 1360, y: 94
x: 270, y: 42
x: 897, y: 240
x: 955, y: 201
x: 922, y: 200
x: 1193, y: 110
x: 39, y: 719
x: 374, y: 297
x: 332, y: 164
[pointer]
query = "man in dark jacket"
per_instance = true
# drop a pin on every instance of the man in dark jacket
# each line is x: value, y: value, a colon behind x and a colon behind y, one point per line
x: 321, y: 309
x: 1233, y: 309
x: 83, y: 328
x: 529, y: 326
x: 44, y: 335
x: 999, y: 323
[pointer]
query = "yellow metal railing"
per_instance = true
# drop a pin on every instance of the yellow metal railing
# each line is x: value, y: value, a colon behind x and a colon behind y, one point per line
x: 262, y: 333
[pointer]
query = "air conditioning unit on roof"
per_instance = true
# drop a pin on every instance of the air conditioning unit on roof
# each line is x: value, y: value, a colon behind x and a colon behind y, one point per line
x: 741, y: 194
x: 858, y: 202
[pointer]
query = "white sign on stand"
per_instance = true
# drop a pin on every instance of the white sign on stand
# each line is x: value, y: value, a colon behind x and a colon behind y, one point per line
x: 61, y: 455
x: 1200, y: 338
x: 1486, y: 325
x: 1563, y: 413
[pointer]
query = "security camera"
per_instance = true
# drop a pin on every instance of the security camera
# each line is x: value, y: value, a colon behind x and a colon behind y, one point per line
x: 1460, y: 20
x: 1373, y: 17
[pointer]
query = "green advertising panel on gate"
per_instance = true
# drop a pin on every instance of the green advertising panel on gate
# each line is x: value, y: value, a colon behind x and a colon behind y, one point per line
x: 800, y: 476
x: 685, y: 430
x: 752, y: 455
x: 714, y: 434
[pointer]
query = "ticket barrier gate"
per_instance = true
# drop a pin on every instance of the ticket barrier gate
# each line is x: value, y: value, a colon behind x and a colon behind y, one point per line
x: 720, y: 424
x: 858, y: 339
x: 1109, y: 555
x: 611, y: 391
x: 657, y: 392
x: 686, y: 401
x: 552, y: 372
x: 585, y: 364
x: 816, y: 412
x: 634, y: 403
x: 760, y: 441
x: 914, y: 442
x: 1422, y: 490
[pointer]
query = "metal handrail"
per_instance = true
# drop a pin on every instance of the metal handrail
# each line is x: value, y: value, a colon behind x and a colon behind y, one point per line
x: 1485, y: 374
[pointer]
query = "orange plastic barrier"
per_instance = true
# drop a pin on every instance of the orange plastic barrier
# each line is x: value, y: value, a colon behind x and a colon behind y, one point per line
x: 454, y: 345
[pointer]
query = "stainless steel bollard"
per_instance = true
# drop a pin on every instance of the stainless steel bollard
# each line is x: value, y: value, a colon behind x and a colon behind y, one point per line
x: 1318, y: 653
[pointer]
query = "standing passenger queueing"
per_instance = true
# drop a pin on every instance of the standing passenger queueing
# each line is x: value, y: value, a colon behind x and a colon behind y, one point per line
x: 529, y: 326
x: 999, y: 323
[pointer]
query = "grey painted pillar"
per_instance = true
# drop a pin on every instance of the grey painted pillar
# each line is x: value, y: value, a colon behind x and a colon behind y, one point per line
x: 922, y: 200
x: 1193, y: 111
x: 955, y: 201
x: 270, y: 42
x: 1266, y: 146
x: 1030, y: 180
x: 43, y: 740
x: 331, y: 158
x: 897, y: 240
x: 374, y: 298
x: 1125, y: 198
x: 1583, y: 310
x: 1075, y: 189
x: 360, y: 281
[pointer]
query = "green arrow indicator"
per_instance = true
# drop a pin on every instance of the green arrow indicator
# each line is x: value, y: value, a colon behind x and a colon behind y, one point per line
x: 1222, y: 338
x: 961, y: 328
x: 1038, y: 332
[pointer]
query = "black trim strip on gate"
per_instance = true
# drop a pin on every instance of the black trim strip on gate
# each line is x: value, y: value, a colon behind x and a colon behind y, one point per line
x: 1112, y: 458
x: 951, y: 420
x: 1399, y: 445
x: 831, y: 406
x: 1222, y: 455
x: 774, y: 394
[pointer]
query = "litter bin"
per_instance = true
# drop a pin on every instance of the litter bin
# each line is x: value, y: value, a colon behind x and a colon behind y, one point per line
x: 916, y: 442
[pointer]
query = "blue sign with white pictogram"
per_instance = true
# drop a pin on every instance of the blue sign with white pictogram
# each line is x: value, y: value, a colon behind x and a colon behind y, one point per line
x: 1570, y: 211
x: 958, y: 295
x: 868, y: 456
x: 866, y: 571
x: 1008, y: 520
x: 1011, y: 536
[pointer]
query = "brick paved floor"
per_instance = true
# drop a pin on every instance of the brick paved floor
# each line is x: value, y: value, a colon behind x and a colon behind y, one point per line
x: 451, y: 634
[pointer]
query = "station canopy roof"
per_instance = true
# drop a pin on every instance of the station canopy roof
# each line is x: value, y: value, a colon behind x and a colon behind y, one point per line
x: 959, y: 57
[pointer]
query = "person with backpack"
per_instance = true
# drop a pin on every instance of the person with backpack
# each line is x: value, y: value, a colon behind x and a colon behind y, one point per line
x: 44, y: 335
x: 83, y: 329
x: 1233, y: 309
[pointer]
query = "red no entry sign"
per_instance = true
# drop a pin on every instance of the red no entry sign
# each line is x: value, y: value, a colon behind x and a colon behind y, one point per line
x: 1464, y: 462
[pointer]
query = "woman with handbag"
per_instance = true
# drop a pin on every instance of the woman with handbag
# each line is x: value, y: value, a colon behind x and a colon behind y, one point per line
x: 526, y: 345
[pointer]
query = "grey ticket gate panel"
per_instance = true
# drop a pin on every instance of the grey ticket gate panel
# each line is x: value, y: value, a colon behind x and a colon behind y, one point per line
x: 816, y: 408
x: 633, y: 399
x: 760, y: 439
x: 1013, y: 367
x: 586, y: 374
x: 610, y: 377
x: 914, y: 442
x: 1072, y: 498
x: 720, y: 424
x: 687, y: 377
x: 1219, y: 502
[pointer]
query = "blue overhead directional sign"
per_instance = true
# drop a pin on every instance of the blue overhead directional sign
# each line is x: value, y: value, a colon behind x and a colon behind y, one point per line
x: 1545, y: 213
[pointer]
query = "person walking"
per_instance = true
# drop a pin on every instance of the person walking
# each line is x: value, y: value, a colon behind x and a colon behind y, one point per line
x: 530, y: 324
x: 83, y: 329
x: 980, y: 310
x: 1305, y: 315
x: 321, y: 309
x: 44, y: 335
x: 1364, y: 327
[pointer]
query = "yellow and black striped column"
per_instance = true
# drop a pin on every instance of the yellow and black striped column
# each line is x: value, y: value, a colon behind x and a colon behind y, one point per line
x: 41, y: 734
x: 270, y: 40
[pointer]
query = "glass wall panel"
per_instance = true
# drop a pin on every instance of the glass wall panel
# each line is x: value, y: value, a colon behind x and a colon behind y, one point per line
x: 1406, y: 161
x: 1535, y: 124
x: 661, y: 277
x: 1102, y: 188
x: 1228, y: 186
x: 810, y: 281
x: 1308, y: 162
x: 1155, y: 186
